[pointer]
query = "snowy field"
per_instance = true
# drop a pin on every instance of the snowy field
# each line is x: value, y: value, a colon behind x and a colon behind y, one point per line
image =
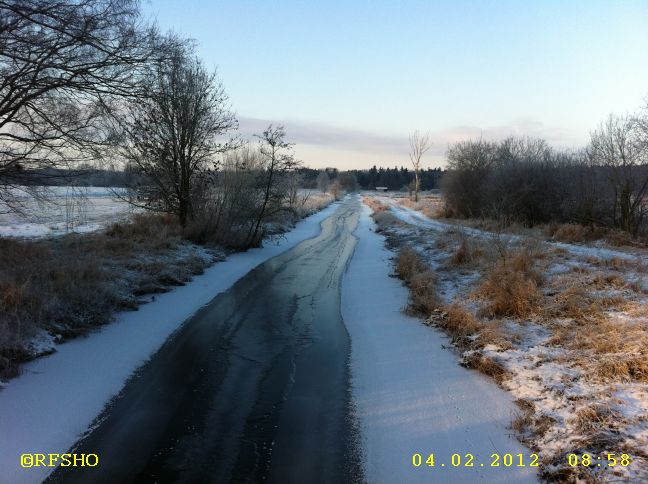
x: 87, y: 209
x: 56, y: 399
x: 68, y: 209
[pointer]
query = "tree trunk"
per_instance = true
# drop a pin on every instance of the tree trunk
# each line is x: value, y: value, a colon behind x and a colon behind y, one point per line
x: 263, y: 207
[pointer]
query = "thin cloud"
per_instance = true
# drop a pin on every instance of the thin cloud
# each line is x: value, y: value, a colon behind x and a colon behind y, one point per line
x: 348, y: 146
x: 301, y: 132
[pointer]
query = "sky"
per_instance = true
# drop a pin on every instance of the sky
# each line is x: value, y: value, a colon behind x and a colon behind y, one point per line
x: 350, y: 79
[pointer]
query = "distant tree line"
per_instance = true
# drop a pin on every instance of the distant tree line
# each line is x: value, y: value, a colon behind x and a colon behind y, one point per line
x: 393, y: 178
x: 526, y: 180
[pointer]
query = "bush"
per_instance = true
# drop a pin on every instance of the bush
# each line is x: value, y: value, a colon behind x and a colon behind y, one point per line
x: 524, y: 180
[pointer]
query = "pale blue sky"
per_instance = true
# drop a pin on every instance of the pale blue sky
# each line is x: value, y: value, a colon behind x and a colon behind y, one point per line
x: 350, y: 79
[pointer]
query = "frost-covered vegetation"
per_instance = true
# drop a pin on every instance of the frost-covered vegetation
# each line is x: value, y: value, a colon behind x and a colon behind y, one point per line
x: 525, y: 180
x: 563, y: 327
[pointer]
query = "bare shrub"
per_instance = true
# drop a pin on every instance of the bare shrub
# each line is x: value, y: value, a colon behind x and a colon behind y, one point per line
x: 523, y: 179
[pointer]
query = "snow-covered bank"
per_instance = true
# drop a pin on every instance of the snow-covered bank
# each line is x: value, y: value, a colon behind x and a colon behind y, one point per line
x: 418, y: 219
x: 48, y: 408
x: 570, y: 357
x: 411, y: 395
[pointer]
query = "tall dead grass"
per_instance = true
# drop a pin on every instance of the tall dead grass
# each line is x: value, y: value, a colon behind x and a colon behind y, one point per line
x: 70, y: 284
x: 468, y: 333
x: 511, y: 287
x: 420, y: 279
x: 374, y: 204
x: 606, y: 333
x: 573, y: 233
x: 384, y: 220
x: 41, y: 287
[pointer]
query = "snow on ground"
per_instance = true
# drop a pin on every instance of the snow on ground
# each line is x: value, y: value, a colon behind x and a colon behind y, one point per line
x: 415, y: 218
x: 57, y: 397
x: 572, y: 409
x: 69, y: 209
x: 410, y: 394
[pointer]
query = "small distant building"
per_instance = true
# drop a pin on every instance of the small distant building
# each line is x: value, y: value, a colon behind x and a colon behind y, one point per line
x: 381, y: 189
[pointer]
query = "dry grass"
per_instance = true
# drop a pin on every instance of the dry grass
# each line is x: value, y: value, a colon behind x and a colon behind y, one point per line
x: 314, y: 202
x: 409, y: 263
x: 486, y: 365
x: 467, y: 331
x: 70, y: 284
x: 412, y: 269
x: 511, y: 287
x: 459, y: 322
x: 374, y: 204
x: 577, y: 304
x: 41, y: 287
x: 429, y: 205
x: 423, y: 298
x: 444, y: 211
x: 156, y: 231
x: 606, y: 332
x: 588, y: 328
x: 577, y: 233
x: 463, y: 254
x: 381, y: 214
x: 571, y: 233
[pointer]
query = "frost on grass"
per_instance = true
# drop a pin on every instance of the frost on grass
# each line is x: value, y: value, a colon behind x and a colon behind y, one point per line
x: 54, y: 289
x: 563, y: 327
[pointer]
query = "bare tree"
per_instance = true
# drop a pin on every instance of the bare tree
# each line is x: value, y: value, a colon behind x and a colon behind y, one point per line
x: 62, y: 65
x: 174, y: 132
x: 278, y: 161
x: 419, y: 145
x: 618, y: 146
x: 226, y: 202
